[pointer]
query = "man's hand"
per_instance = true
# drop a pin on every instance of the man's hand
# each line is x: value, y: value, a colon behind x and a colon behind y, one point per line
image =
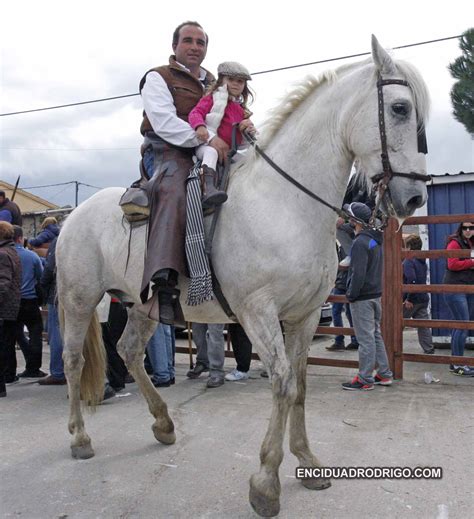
x: 202, y: 134
x: 221, y: 147
x: 408, y: 305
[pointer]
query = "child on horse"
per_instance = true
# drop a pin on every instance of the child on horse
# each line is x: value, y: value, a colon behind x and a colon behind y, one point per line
x: 224, y: 106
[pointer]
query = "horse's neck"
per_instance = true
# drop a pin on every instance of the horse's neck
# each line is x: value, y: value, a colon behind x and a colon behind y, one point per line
x: 310, y: 148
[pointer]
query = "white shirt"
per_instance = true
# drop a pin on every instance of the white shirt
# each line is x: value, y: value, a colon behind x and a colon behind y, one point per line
x: 161, y: 112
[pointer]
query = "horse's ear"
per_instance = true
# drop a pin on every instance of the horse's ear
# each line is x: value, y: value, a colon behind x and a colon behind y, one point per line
x: 382, y: 60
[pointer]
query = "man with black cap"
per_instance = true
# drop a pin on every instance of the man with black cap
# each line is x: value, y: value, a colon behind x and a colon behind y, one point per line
x: 364, y: 291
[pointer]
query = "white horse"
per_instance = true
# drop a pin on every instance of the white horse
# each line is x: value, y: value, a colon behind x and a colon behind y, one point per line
x: 273, y: 252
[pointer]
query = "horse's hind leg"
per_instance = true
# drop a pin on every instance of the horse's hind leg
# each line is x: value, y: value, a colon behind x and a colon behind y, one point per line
x: 297, y: 341
x: 76, y: 327
x: 265, y: 334
x: 131, y: 347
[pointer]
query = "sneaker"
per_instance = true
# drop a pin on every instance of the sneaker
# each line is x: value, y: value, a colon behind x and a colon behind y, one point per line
x: 336, y: 347
x: 235, y: 375
x: 52, y: 381
x: 214, y: 381
x: 12, y: 380
x: 32, y: 374
x: 109, y: 392
x: 430, y: 352
x: 197, y: 371
x: 451, y: 367
x: 161, y: 384
x: 357, y: 385
x: 463, y: 371
x: 346, y: 262
x: 352, y: 346
x: 382, y: 381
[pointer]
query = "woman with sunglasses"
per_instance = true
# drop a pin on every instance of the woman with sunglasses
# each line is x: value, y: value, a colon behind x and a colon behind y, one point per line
x: 460, y: 271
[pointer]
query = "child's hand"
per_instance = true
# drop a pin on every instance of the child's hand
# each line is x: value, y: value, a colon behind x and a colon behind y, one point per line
x: 202, y: 134
x: 247, y: 126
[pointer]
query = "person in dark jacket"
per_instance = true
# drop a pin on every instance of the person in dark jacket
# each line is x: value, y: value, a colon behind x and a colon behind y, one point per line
x: 48, y: 284
x: 415, y: 306
x: 8, y: 206
x: 29, y: 314
x: 460, y: 271
x: 10, y: 295
x: 49, y: 231
x: 364, y: 291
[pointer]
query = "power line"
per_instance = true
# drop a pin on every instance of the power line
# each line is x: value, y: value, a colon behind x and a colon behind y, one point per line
x: 63, y: 184
x: 253, y: 73
x: 69, y: 149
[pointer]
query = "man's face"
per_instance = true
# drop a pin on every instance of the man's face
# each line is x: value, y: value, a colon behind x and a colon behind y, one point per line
x: 191, y: 48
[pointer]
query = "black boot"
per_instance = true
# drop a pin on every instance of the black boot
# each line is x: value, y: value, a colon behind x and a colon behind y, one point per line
x: 167, y: 300
x: 211, y: 196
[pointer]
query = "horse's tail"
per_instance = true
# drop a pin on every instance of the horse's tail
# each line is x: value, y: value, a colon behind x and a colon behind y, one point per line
x: 93, y: 371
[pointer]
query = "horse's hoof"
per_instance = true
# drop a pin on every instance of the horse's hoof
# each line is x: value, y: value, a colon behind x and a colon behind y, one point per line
x: 316, y: 483
x: 168, y: 438
x: 82, y: 452
x: 262, y: 504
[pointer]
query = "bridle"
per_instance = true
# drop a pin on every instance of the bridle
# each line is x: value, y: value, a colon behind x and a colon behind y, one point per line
x: 380, y: 180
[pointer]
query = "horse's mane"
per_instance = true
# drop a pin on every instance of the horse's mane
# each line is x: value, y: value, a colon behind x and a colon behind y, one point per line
x: 303, y: 89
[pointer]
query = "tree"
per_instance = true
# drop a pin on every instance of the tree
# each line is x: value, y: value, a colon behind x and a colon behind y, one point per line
x: 462, y: 93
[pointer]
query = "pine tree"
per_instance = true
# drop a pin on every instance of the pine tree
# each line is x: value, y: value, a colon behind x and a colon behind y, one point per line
x: 462, y: 93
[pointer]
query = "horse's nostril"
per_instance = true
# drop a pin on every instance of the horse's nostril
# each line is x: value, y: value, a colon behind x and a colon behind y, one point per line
x: 415, y: 201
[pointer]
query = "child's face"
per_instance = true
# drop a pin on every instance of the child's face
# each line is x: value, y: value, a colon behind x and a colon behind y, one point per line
x: 235, y: 86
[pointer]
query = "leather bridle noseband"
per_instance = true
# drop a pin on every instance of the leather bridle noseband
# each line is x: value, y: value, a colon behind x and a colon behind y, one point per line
x: 380, y: 180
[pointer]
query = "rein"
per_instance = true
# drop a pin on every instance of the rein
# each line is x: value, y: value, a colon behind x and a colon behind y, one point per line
x: 340, y: 212
x: 381, y: 180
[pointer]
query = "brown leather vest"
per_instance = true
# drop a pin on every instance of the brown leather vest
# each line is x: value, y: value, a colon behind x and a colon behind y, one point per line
x: 184, y: 87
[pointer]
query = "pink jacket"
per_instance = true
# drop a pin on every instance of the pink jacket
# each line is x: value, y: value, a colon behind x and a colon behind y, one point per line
x: 234, y: 113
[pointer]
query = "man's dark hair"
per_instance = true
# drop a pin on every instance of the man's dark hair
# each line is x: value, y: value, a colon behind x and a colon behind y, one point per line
x: 413, y: 242
x: 180, y: 26
x: 6, y: 231
x: 2, y: 193
x: 17, y: 232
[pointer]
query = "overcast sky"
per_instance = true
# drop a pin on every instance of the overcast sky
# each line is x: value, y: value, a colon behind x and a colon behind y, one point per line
x: 58, y: 52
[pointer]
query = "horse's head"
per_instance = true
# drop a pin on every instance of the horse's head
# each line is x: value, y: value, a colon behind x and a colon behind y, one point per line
x: 389, y: 145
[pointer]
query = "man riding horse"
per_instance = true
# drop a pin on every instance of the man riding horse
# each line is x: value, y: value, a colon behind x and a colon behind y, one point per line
x: 169, y: 93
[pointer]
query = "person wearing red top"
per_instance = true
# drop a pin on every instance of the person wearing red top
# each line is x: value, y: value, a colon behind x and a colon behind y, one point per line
x: 217, y: 113
x: 460, y: 271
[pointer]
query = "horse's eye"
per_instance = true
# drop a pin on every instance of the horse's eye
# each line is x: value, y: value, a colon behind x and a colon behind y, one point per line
x: 401, y: 109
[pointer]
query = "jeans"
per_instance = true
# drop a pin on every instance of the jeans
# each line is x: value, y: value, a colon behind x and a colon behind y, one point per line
x: 161, y: 349
x: 462, y: 308
x: 56, y: 366
x: 420, y: 311
x: 337, y: 309
x: 210, y: 345
x: 366, y: 317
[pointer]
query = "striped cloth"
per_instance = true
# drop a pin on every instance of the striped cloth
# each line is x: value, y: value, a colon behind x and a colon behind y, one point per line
x: 200, y: 285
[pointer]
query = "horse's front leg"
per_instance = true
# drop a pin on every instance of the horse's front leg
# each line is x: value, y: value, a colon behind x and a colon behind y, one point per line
x: 131, y: 347
x: 265, y: 334
x: 297, y: 341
